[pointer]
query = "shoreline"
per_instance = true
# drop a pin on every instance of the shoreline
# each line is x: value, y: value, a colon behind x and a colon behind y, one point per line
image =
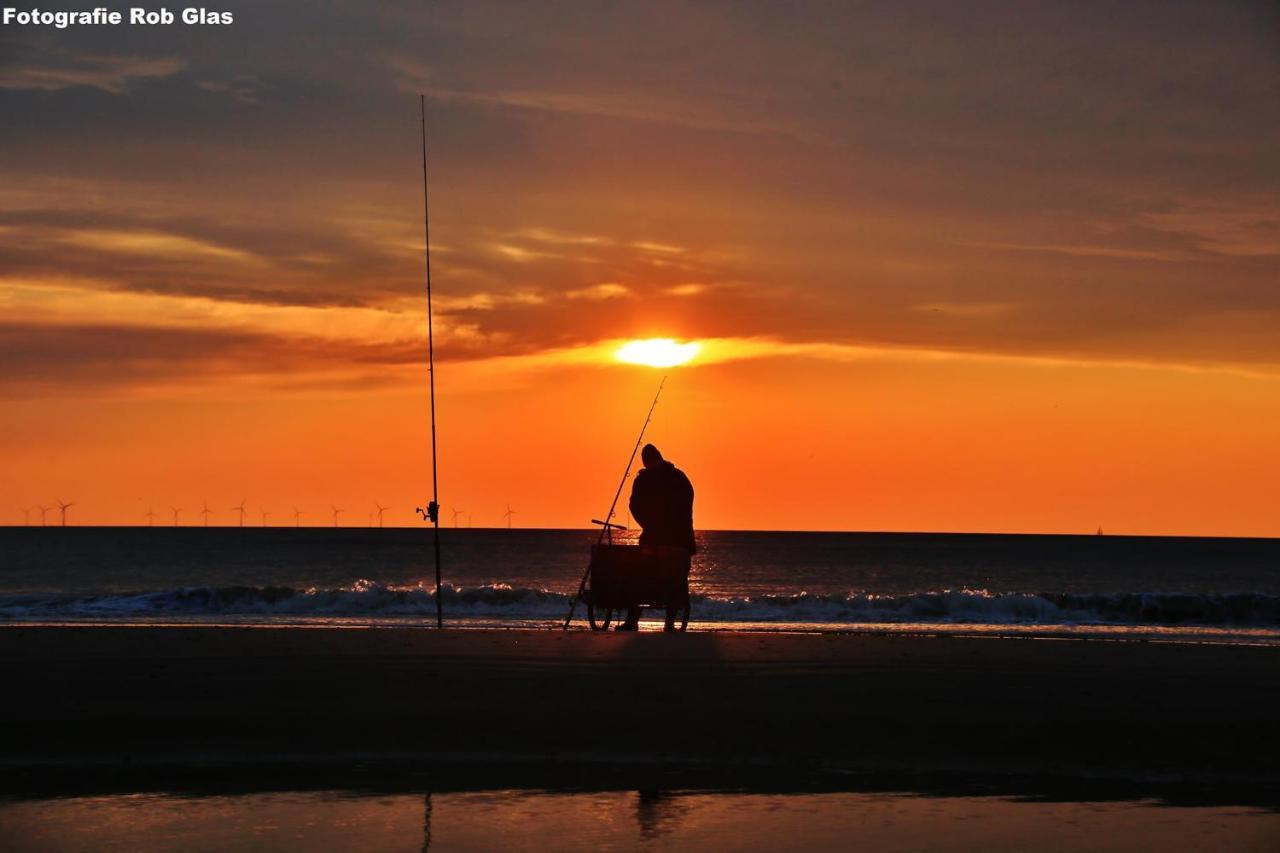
x: 1194, y: 635
x: 118, y: 700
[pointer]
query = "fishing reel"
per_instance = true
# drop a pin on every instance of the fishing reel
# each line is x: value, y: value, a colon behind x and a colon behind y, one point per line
x: 431, y: 513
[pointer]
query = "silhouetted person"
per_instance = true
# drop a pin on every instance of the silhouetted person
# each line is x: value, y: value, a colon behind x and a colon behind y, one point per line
x: 662, y: 503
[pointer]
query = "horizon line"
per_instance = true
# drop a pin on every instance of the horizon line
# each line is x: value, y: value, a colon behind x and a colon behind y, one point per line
x: 504, y: 529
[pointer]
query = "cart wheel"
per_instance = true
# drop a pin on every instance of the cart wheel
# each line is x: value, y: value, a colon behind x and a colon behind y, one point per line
x: 605, y: 614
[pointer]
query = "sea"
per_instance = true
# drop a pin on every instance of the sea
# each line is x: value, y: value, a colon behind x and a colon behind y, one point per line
x: 1112, y: 587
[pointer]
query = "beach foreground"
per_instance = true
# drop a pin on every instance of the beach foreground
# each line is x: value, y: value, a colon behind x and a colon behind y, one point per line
x: 122, y: 696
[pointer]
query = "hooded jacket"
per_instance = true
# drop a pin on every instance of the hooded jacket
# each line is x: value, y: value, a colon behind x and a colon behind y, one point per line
x: 662, y: 502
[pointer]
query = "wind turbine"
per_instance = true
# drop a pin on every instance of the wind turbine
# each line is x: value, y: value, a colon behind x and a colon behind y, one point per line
x: 26, y: 516
x: 44, y: 511
x: 265, y: 513
x: 176, y: 510
x: 151, y: 517
x: 507, y: 515
x: 381, y: 510
x: 456, y: 512
x: 206, y: 512
x: 62, y: 508
x: 297, y: 514
x: 336, y: 511
x: 240, y: 509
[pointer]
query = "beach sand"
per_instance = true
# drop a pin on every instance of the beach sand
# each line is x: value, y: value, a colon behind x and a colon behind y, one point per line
x: 79, y: 695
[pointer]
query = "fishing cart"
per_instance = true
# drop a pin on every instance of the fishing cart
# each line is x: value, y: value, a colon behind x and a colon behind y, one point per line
x: 622, y: 575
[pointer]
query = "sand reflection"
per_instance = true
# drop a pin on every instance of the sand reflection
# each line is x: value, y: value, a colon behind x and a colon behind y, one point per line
x: 647, y: 819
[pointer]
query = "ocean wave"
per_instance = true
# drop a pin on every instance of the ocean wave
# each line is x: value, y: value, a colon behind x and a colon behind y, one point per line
x: 985, y: 607
x: 500, y: 601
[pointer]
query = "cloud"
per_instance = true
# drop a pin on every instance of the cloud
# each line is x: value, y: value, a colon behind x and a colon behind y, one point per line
x: 240, y: 89
x: 1107, y: 173
x: 628, y: 105
x: 965, y: 309
x: 484, y: 301
x: 154, y: 244
x: 98, y: 358
x: 521, y: 255
x: 724, y: 351
x: 57, y: 304
x: 688, y: 289
x: 62, y: 334
x: 181, y: 246
x: 621, y: 105
x: 549, y: 235
x: 1240, y: 231
x: 598, y: 292
x: 1083, y: 251
x: 658, y: 248
x: 109, y: 73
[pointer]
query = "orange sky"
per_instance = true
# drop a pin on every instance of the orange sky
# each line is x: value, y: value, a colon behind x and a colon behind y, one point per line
x: 1012, y: 270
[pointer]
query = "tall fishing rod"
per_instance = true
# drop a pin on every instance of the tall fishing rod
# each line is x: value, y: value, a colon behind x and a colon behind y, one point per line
x: 607, y: 525
x: 432, y: 512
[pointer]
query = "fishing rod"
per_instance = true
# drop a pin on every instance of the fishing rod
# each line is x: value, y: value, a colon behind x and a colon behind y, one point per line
x: 607, y: 525
x: 432, y: 512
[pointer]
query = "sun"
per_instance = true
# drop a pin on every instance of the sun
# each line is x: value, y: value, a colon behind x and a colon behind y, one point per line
x: 657, y: 352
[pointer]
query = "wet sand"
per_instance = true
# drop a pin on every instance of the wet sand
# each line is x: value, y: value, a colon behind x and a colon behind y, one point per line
x: 841, y: 701
x: 621, y: 820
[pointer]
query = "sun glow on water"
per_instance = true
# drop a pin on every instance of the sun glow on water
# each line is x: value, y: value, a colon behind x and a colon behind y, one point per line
x: 657, y: 352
